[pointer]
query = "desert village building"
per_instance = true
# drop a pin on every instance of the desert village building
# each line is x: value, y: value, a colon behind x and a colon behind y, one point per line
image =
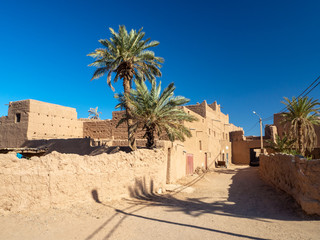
x: 32, y: 123
x: 36, y: 124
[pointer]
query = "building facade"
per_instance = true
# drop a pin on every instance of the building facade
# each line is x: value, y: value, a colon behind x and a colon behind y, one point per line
x: 31, y: 120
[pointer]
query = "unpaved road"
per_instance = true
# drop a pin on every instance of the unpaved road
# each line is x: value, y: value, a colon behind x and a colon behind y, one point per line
x: 226, y: 204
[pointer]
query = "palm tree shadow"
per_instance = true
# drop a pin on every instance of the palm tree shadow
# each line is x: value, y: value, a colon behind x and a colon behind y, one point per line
x: 249, y: 197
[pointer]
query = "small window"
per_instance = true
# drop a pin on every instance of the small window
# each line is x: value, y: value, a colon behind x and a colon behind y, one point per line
x: 18, y: 117
x: 200, y: 145
x: 209, y: 131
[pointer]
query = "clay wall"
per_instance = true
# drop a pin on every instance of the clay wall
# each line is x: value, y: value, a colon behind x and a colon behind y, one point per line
x: 241, y: 146
x: 51, y: 121
x: 107, y: 129
x: 14, y: 127
x: 64, y: 180
x: 98, y: 129
x: 31, y: 119
x: 210, y: 135
x: 298, y: 177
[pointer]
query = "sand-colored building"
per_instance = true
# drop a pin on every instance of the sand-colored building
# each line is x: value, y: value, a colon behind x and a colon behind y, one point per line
x: 31, y: 119
x: 30, y: 122
x: 246, y: 148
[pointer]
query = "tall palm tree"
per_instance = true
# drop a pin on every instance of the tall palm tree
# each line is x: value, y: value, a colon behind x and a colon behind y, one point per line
x: 156, y: 113
x: 93, y: 113
x: 299, y: 120
x: 126, y: 55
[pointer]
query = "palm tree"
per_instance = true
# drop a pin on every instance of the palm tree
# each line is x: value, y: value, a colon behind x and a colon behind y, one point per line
x: 299, y: 121
x: 126, y: 55
x: 93, y: 113
x: 156, y: 113
x: 282, y: 145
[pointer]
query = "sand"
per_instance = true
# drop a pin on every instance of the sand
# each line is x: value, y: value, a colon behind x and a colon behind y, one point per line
x: 224, y: 204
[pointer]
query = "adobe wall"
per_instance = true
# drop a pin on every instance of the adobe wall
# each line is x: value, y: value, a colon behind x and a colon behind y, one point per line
x: 211, y: 132
x: 241, y: 146
x: 64, y: 180
x: 38, y: 120
x: 107, y: 129
x: 51, y: 121
x: 12, y: 132
x: 298, y: 177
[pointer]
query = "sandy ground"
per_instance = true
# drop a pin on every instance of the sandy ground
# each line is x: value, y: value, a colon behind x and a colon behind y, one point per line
x: 225, y: 204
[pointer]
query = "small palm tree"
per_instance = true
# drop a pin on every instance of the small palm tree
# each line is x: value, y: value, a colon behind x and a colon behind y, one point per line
x: 93, y: 113
x: 299, y: 121
x: 282, y: 145
x: 126, y: 55
x: 156, y: 113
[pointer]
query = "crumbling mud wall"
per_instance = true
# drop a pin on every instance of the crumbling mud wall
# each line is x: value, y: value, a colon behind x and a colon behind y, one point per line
x: 296, y: 176
x: 63, y: 180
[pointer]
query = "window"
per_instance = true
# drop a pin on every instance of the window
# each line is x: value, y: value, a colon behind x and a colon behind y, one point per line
x: 18, y: 117
x: 209, y: 131
x: 200, y: 145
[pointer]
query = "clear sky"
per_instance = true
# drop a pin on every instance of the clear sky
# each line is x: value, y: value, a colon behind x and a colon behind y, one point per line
x: 247, y: 55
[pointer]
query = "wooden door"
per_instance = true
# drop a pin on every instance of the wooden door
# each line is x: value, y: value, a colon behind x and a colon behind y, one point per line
x: 189, y: 164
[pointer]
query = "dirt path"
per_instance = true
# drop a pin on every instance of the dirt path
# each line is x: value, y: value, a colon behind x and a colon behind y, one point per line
x: 226, y: 204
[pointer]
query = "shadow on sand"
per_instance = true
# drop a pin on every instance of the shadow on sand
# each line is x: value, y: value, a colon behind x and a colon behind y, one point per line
x: 248, y: 197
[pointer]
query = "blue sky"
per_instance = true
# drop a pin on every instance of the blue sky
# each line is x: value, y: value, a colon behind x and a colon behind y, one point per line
x: 247, y: 55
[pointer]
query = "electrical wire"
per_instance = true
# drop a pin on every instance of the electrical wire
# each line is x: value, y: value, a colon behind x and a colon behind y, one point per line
x: 285, y: 108
x: 252, y: 127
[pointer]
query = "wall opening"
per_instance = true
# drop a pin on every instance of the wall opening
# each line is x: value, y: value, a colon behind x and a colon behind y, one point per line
x: 18, y: 117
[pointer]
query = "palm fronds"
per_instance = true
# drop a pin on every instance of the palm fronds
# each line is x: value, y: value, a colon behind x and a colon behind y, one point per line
x: 157, y: 112
x: 93, y: 113
x: 299, y: 120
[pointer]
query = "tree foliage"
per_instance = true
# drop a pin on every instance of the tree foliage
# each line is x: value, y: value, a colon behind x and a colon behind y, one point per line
x: 126, y: 55
x: 281, y: 145
x: 157, y: 112
x: 299, y: 120
x: 93, y: 113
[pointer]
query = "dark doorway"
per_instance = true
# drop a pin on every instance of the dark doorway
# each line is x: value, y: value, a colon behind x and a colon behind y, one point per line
x: 254, y: 159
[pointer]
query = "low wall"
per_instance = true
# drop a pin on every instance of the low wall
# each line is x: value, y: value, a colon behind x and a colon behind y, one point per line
x: 62, y: 180
x: 298, y: 177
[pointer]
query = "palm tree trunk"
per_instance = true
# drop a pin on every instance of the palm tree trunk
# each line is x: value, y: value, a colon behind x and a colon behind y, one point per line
x: 131, y: 137
x: 300, y: 140
x: 150, y: 137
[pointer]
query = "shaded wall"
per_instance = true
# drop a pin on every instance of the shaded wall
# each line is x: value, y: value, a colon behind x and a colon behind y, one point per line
x: 13, y: 133
x: 241, y: 146
x: 298, y: 177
